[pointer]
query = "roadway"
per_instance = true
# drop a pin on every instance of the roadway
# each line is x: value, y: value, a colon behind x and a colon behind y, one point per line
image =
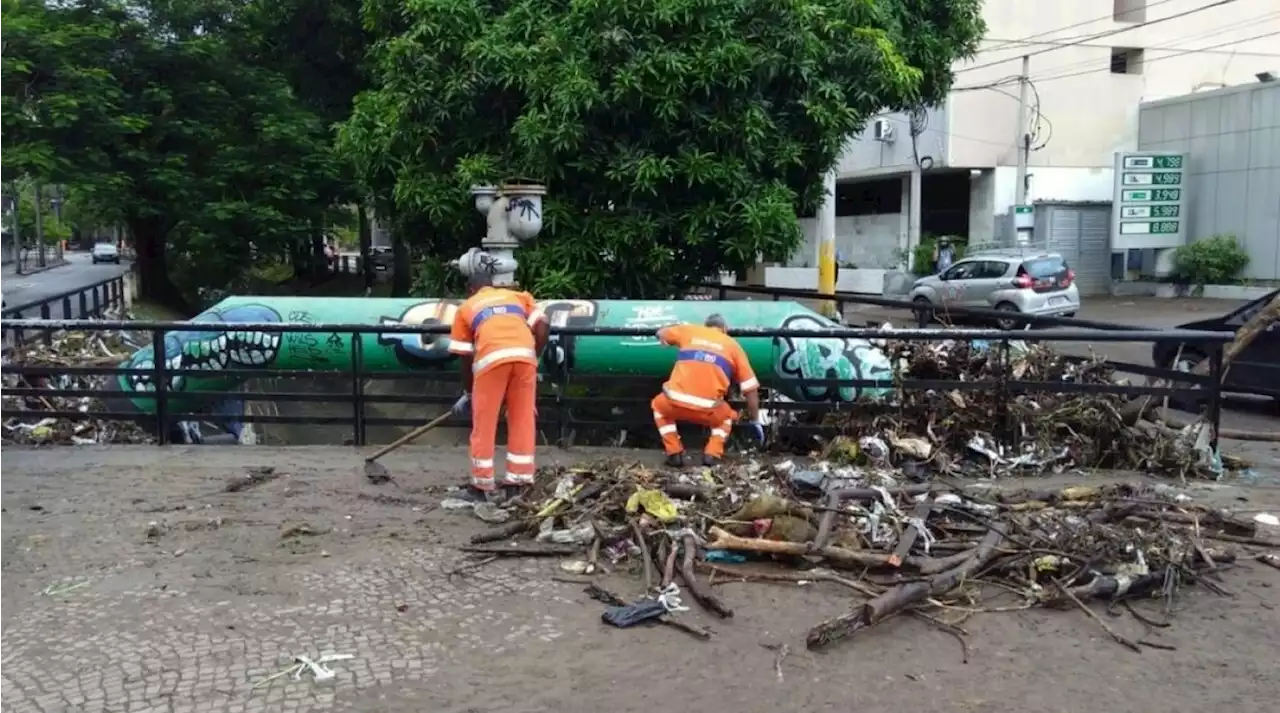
x: 77, y: 273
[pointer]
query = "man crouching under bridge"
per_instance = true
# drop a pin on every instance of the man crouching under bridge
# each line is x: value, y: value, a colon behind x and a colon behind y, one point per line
x: 497, y: 335
x: 709, y: 362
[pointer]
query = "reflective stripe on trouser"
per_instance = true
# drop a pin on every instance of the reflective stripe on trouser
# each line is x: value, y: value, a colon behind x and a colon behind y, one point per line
x: 667, y: 413
x: 516, y: 383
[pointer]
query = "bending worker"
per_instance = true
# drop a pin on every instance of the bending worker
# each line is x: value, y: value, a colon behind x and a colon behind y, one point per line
x: 498, y: 334
x: 710, y: 361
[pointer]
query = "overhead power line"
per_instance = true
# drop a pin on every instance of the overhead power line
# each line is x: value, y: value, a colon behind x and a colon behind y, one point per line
x: 1157, y: 59
x: 1108, y: 33
x: 1107, y: 68
x: 1247, y: 22
x: 1105, y: 18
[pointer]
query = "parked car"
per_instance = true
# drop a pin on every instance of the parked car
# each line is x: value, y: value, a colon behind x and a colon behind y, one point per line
x: 382, y: 258
x: 106, y: 252
x: 1040, y: 285
x: 1256, y: 370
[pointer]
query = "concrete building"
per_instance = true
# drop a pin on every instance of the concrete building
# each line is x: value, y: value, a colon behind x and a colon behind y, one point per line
x: 1232, y: 141
x: 1092, y: 63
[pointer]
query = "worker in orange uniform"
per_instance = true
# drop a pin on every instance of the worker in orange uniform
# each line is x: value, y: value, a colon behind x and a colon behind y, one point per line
x: 498, y: 334
x: 709, y: 362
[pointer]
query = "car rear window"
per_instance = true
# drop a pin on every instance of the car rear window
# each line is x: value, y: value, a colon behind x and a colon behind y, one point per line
x: 1045, y: 266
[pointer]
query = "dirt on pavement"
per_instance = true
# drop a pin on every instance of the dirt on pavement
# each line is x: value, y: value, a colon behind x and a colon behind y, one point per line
x: 145, y: 579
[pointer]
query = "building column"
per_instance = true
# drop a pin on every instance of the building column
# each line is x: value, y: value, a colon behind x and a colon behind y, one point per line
x: 826, y: 244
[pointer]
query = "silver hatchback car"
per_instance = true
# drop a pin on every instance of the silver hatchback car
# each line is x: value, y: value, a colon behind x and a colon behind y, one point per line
x: 1041, y: 285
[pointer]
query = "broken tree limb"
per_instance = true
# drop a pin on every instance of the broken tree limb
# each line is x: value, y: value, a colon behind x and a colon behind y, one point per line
x: 526, y: 550
x: 700, y: 591
x: 908, y: 540
x: 511, y: 529
x: 900, y: 597
x: 644, y: 555
x: 836, y: 556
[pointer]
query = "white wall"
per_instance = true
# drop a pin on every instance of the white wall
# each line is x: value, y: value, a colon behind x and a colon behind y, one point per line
x: 1094, y: 114
x: 868, y: 241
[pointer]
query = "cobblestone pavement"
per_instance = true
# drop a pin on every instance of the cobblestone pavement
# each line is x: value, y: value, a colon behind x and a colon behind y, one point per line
x: 135, y: 582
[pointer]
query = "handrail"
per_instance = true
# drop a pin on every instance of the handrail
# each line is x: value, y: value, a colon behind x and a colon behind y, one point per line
x: 860, y: 298
x: 1128, y: 335
x: 35, y: 304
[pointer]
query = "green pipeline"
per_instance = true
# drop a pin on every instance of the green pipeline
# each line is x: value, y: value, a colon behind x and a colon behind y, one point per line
x: 784, y: 359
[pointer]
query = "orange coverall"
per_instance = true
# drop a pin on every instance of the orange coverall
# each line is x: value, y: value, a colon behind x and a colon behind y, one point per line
x: 495, y: 327
x: 708, y: 363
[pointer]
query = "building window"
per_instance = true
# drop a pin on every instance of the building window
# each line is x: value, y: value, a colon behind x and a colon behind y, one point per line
x: 1129, y: 10
x: 1126, y: 60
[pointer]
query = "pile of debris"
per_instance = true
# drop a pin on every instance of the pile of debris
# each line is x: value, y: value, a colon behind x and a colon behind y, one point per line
x: 69, y: 349
x: 994, y: 430
x: 936, y: 551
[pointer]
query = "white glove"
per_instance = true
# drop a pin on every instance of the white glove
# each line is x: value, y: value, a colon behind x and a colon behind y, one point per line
x: 462, y: 407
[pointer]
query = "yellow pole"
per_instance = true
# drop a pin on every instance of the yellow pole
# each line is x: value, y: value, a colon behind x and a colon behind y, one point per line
x: 827, y: 247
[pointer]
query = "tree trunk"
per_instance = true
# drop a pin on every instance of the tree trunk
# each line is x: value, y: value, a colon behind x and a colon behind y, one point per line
x: 366, y: 248
x: 402, y: 277
x: 319, y: 266
x: 154, y: 283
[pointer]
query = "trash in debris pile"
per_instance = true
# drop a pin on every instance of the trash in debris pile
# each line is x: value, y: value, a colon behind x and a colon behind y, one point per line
x: 969, y: 431
x: 939, y: 552
x: 70, y: 349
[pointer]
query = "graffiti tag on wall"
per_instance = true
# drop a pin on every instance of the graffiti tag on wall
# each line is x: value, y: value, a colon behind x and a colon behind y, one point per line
x: 207, y: 351
x: 829, y: 358
x: 426, y: 350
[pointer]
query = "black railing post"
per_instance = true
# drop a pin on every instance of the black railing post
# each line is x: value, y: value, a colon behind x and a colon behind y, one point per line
x: 97, y: 302
x: 1215, y: 395
x: 724, y: 293
x: 562, y: 406
x: 45, y: 334
x: 1002, y: 408
x: 17, y: 333
x: 66, y: 307
x: 357, y: 389
x: 160, y: 380
x: 84, y: 306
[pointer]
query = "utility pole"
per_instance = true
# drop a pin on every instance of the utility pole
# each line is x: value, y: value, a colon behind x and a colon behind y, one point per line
x: 1021, y: 138
x: 39, y: 225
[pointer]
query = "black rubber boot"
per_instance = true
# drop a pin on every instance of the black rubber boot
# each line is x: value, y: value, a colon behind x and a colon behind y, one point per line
x: 675, y: 460
x: 710, y: 460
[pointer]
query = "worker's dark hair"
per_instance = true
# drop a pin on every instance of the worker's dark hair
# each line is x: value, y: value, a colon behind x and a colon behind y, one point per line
x: 716, y: 321
x: 478, y: 281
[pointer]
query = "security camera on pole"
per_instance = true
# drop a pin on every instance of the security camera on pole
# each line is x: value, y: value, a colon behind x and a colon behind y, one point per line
x: 514, y: 214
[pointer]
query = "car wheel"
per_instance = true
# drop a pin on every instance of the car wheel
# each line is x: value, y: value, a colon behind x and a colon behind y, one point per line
x: 923, y: 311
x: 1008, y: 323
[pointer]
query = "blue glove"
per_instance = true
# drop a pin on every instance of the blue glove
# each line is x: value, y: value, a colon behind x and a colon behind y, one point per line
x: 757, y: 431
x: 462, y: 407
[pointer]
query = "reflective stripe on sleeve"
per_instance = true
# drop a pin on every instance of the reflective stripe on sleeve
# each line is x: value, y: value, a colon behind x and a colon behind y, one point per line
x: 537, y: 316
x: 461, y: 347
x: 749, y: 385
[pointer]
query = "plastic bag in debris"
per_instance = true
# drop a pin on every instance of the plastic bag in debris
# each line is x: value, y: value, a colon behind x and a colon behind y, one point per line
x: 875, y: 449
x: 807, y: 481
x: 632, y: 614
x: 654, y: 502
x: 724, y: 556
x: 913, y: 447
x: 576, y: 535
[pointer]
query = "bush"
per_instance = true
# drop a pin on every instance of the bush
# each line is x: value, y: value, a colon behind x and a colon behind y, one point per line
x: 922, y: 265
x: 1215, y: 261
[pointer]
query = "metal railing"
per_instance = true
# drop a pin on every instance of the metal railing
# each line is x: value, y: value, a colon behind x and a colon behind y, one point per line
x: 79, y: 303
x: 556, y: 404
x: 923, y: 317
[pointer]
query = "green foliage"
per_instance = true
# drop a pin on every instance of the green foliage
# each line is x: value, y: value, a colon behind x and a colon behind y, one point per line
x: 1214, y: 261
x: 922, y: 255
x: 678, y: 138
x: 436, y: 278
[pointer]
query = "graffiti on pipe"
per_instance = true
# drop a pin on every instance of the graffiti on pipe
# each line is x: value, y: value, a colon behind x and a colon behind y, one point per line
x: 207, y: 351
x: 828, y: 358
x: 429, y: 350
